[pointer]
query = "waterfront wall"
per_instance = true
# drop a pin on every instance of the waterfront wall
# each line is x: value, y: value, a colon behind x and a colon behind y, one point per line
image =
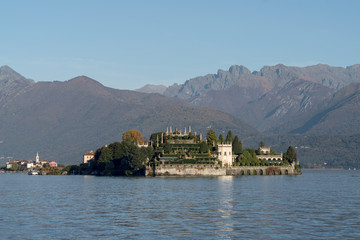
x: 210, y: 170
x: 186, y: 170
x: 262, y: 170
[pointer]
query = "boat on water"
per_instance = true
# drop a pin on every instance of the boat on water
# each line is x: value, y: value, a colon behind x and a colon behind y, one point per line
x: 33, y: 173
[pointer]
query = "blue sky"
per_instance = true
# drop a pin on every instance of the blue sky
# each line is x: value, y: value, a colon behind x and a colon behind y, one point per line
x: 127, y: 44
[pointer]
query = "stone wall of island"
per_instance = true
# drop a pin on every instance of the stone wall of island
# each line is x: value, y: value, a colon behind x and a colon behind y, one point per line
x: 210, y: 170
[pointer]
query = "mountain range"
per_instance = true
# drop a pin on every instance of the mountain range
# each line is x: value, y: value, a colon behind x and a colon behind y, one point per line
x: 275, y: 95
x: 315, y: 108
x: 63, y: 120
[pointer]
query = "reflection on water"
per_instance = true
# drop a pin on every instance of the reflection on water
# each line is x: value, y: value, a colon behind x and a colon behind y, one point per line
x: 225, y: 222
x: 315, y: 205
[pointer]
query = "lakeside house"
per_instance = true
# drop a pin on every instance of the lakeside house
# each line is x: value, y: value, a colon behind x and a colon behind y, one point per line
x: 88, y: 156
x: 265, y: 154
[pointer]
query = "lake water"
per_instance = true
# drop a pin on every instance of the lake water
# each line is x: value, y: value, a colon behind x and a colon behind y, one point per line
x: 315, y: 205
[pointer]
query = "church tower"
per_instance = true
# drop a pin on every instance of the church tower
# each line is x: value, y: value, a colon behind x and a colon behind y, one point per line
x: 37, y: 158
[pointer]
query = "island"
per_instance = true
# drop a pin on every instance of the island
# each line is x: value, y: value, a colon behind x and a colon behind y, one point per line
x: 185, y: 153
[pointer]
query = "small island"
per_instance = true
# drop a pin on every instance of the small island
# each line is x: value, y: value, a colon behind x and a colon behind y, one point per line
x: 185, y: 153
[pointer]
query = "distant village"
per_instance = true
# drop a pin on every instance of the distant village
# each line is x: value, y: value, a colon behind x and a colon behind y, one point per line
x: 28, y: 165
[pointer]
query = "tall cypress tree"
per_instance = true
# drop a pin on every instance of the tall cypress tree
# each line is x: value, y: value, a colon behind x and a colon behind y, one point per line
x: 237, y: 146
x: 229, y: 137
x: 211, y: 139
x: 290, y: 155
x: 221, y: 138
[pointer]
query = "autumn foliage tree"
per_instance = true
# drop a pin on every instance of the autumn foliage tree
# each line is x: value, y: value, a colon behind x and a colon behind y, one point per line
x: 133, y: 134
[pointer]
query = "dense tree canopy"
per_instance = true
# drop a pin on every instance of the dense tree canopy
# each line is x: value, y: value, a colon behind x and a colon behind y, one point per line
x: 124, y: 158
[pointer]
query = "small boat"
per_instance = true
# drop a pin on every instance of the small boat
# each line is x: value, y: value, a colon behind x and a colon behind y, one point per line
x: 33, y: 173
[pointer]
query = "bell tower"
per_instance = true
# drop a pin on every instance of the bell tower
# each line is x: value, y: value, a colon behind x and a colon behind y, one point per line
x: 37, y: 158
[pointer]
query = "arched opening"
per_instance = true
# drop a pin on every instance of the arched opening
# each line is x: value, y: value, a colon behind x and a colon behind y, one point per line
x: 254, y: 172
x: 248, y: 172
x: 279, y: 172
x: 261, y: 172
x: 286, y: 172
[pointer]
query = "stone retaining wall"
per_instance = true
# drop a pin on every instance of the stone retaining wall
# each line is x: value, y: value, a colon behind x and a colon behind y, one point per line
x: 211, y: 170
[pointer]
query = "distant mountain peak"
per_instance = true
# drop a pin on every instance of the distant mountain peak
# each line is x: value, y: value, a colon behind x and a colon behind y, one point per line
x: 6, y: 72
x: 237, y: 70
x: 84, y: 80
x: 5, y: 67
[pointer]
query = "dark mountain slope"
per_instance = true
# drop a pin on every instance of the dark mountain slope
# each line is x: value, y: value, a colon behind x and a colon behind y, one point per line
x: 62, y: 120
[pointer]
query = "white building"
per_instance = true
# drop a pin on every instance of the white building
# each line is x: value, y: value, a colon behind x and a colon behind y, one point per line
x: 225, y: 154
x: 264, y: 150
x: 30, y: 164
x: 88, y: 156
x: 37, y: 161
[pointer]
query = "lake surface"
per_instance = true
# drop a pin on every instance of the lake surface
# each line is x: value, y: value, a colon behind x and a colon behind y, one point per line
x: 321, y: 204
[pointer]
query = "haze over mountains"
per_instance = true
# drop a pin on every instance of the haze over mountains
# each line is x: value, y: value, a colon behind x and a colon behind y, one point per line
x: 313, y: 108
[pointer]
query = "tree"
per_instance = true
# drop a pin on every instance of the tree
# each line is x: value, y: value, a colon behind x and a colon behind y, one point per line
x: 229, y: 137
x: 134, y: 135
x: 290, y: 155
x: 221, y: 138
x: 134, y: 158
x: 203, y: 147
x: 262, y: 144
x: 237, y: 146
x: 117, y: 150
x: 14, y: 166
x: 211, y: 139
x: 103, y: 156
